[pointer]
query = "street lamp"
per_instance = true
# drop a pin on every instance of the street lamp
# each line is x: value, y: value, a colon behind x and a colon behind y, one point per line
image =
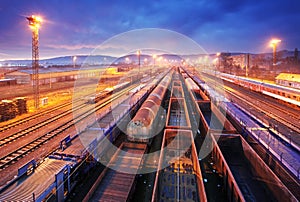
x: 146, y: 64
x: 154, y: 58
x: 139, y: 58
x: 74, y: 61
x: 218, y: 56
x: 273, y: 43
x: 247, y: 63
x: 34, y: 24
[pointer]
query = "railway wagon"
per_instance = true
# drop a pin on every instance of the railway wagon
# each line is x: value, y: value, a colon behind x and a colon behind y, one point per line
x: 195, y: 90
x: 177, y: 90
x: 107, y: 91
x: 282, y: 93
x: 117, y: 179
x: 178, y: 177
x: 177, y: 117
x: 97, y: 97
x: 143, y: 126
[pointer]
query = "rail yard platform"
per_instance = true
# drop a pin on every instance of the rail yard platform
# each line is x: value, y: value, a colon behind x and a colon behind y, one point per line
x: 287, y: 155
x: 116, y: 181
x: 30, y: 187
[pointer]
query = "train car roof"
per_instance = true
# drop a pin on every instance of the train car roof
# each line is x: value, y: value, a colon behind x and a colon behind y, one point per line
x: 251, y: 80
x: 287, y: 89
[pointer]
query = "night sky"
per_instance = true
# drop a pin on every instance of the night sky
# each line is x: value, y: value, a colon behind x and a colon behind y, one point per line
x: 77, y: 27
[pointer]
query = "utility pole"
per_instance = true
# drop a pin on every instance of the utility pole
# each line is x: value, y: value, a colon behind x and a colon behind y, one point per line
x: 248, y: 63
x: 154, y: 58
x: 139, y: 59
x: 34, y: 23
x: 296, y: 53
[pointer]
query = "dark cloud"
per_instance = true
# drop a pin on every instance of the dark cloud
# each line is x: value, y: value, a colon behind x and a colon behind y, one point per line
x: 217, y: 25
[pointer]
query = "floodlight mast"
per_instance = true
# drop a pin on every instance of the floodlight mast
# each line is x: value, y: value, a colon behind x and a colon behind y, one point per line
x: 34, y: 24
x: 273, y: 44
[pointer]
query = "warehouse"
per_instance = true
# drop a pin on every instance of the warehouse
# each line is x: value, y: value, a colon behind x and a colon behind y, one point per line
x: 289, y: 80
x: 52, y: 75
x: 8, y: 82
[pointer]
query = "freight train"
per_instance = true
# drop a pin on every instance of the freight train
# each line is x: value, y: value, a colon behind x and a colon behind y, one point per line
x: 107, y: 91
x: 144, y: 124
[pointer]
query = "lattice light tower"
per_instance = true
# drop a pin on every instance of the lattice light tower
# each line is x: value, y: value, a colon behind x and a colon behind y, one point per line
x: 34, y: 24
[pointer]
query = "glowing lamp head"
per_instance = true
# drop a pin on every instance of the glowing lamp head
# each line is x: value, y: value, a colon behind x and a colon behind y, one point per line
x: 274, y: 42
x: 34, y: 21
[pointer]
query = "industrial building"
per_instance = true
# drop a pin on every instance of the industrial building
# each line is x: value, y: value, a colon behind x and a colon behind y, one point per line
x: 53, y: 75
x: 289, y: 80
x: 8, y: 82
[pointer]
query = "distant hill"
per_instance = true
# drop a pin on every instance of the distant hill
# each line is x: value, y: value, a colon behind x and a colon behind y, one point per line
x: 63, y: 61
x: 127, y: 59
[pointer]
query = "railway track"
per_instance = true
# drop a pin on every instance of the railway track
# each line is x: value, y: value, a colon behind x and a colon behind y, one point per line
x: 31, y: 117
x: 22, y: 151
x: 275, y: 112
x: 264, y: 107
x: 38, y: 115
x: 15, y: 136
x: 271, y: 110
x: 278, y: 126
x: 66, y: 108
x: 286, y: 112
